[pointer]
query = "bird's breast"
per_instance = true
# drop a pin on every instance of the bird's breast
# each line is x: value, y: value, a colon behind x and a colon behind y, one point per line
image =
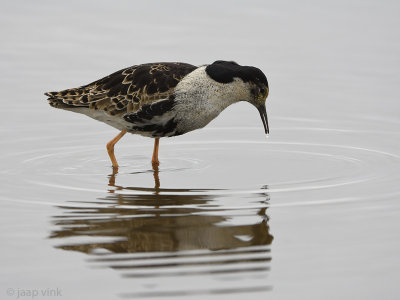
x: 194, y: 114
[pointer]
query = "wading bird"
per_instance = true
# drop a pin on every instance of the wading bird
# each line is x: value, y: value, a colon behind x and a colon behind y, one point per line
x: 165, y: 99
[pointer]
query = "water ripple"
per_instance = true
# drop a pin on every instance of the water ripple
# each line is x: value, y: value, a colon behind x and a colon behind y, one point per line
x: 204, y: 212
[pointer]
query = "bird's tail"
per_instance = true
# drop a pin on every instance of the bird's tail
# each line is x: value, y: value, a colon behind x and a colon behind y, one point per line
x: 55, y: 101
x: 66, y: 99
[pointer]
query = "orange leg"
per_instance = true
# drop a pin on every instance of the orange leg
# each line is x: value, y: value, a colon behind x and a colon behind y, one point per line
x: 156, y: 179
x: 110, y: 148
x: 154, y: 160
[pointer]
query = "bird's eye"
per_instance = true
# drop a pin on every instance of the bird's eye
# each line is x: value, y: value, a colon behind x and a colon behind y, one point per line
x: 262, y: 91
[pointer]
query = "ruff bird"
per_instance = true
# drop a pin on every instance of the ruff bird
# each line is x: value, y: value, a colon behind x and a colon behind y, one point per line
x: 165, y: 99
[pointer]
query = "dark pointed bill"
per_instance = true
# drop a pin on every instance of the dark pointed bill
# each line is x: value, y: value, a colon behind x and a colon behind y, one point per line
x: 263, y: 113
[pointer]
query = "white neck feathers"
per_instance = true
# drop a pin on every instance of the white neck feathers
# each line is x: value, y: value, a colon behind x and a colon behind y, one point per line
x: 199, y: 99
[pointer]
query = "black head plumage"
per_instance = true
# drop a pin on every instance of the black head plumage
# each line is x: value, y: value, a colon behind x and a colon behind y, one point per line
x: 225, y: 71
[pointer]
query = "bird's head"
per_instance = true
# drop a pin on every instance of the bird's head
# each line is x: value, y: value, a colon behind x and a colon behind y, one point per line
x: 253, y: 83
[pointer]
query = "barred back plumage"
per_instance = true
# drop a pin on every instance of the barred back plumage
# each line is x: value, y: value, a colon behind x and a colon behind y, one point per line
x: 126, y: 90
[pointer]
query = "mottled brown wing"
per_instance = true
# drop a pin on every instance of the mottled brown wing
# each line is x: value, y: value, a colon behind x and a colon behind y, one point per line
x: 126, y: 90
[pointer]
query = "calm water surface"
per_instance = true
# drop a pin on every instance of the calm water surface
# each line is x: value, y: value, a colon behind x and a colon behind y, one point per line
x: 311, y: 212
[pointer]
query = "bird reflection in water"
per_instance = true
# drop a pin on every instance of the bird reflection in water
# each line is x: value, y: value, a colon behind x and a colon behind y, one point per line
x: 135, y: 223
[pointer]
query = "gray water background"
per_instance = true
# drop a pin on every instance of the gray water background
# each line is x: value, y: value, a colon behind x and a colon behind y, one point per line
x: 312, y: 212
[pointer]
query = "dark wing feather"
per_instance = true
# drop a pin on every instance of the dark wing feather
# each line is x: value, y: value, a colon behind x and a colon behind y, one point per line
x: 126, y: 90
